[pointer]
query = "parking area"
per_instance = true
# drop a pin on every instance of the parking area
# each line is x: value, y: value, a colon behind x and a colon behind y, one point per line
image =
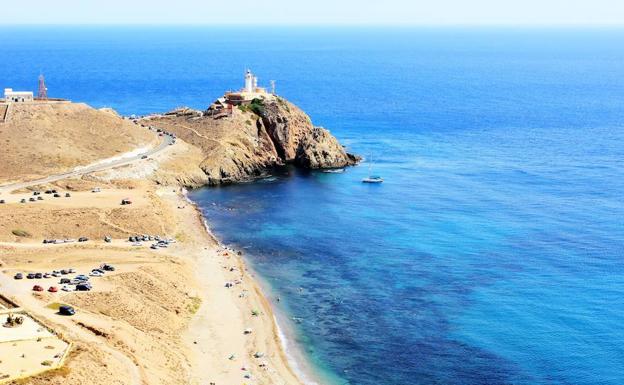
x: 73, y: 199
x: 63, y: 280
x: 27, y: 347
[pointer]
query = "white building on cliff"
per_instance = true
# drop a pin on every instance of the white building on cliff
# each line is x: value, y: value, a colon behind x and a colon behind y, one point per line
x: 245, y: 95
x: 11, y: 96
x: 251, y: 89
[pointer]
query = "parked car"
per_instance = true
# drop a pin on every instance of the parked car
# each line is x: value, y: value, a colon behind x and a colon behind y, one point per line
x: 144, y: 157
x: 83, y: 239
x: 48, y: 191
x: 96, y: 273
x: 96, y: 190
x: 31, y: 199
x: 126, y: 201
x: 82, y: 277
x: 19, y: 276
x: 83, y: 287
x: 53, y: 289
x: 37, y: 288
x: 67, y: 195
x: 2, y: 201
x: 36, y: 193
x: 71, y: 271
x: 56, y: 273
x: 38, y: 275
x: 67, y: 288
x: 47, y: 275
x: 64, y: 272
x: 23, y: 200
x: 57, y: 195
x: 30, y: 276
x: 108, y: 239
x: 66, y: 310
x: 64, y: 281
x: 39, y: 198
x: 108, y: 267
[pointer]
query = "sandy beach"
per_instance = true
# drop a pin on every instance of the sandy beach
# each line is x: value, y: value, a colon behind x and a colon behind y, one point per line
x: 216, y: 334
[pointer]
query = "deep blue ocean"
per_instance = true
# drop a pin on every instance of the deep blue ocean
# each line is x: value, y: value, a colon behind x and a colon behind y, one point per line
x: 493, y: 253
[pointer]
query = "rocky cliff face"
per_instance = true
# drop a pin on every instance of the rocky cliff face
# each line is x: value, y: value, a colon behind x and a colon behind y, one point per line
x: 297, y: 141
x: 255, y: 140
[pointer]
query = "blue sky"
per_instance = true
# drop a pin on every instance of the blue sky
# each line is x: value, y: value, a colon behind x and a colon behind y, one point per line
x: 272, y: 12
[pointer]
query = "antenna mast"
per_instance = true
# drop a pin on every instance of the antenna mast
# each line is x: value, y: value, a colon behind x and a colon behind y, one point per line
x: 43, y: 90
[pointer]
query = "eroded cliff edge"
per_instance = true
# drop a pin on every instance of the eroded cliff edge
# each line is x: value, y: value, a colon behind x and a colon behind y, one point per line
x: 248, y: 141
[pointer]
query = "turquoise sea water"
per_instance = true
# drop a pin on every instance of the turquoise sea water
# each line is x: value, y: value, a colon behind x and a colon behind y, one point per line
x: 493, y: 252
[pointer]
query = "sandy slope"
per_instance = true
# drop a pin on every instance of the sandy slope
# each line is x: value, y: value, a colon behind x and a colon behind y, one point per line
x: 164, y: 316
x: 43, y: 138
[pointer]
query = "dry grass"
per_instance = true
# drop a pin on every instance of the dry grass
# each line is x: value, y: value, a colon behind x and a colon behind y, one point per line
x: 194, y: 305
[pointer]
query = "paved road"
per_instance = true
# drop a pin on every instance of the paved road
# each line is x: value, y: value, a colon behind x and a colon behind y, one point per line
x: 167, y: 140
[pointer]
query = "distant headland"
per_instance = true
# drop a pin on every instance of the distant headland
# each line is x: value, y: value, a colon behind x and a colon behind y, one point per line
x: 246, y: 133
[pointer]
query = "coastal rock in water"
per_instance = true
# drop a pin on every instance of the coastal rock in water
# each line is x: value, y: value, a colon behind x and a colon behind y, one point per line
x: 253, y: 140
x: 320, y: 149
x: 298, y: 141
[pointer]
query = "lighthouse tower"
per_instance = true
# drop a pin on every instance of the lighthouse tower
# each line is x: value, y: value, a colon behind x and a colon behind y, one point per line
x: 250, y: 82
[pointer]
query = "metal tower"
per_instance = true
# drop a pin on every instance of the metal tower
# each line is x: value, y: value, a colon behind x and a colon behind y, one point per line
x: 43, y: 90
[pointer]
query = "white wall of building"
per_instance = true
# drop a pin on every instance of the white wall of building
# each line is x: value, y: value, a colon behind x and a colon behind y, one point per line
x: 18, y: 96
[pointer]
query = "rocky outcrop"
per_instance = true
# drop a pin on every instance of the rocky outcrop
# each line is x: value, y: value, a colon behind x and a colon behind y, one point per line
x: 298, y: 141
x: 254, y: 140
x: 320, y: 149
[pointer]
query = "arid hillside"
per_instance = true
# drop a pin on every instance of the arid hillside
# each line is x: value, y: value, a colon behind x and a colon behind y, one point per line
x: 46, y: 138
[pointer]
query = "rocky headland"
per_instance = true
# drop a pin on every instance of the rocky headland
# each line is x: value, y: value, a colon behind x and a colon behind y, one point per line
x: 249, y: 141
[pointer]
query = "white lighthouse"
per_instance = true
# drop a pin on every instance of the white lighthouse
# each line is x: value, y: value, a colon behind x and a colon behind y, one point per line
x: 250, y: 91
x: 251, y: 82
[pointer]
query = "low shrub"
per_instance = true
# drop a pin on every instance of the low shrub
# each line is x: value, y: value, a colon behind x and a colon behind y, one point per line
x: 21, y: 233
x: 257, y: 107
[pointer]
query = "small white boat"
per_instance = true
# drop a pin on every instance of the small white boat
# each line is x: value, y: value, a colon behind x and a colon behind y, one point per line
x: 334, y: 171
x: 372, y: 179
